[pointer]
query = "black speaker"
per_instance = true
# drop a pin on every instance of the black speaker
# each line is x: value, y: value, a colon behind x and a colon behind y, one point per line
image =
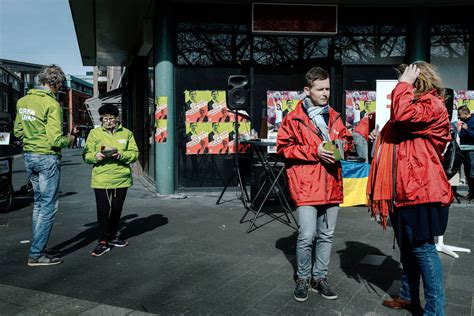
x: 237, y: 92
x: 449, y: 101
x: 258, y: 181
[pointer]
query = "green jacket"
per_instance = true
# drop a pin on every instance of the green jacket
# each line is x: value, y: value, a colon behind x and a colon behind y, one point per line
x: 111, y: 173
x: 38, y: 123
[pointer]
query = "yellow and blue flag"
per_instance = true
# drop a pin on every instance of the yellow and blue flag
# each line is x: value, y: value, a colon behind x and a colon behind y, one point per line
x: 354, y: 181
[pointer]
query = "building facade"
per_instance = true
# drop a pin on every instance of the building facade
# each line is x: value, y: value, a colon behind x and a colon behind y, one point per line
x: 72, y: 96
x: 169, y: 47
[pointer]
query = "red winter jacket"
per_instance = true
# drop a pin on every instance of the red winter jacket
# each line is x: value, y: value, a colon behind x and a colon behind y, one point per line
x: 310, y: 181
x: 366, y: 125
x: 422, y: 135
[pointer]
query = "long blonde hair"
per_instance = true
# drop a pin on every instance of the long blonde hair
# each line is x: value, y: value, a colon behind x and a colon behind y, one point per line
x: 427, y: 80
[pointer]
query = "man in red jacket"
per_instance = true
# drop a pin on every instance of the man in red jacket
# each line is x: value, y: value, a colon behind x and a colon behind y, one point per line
x: 314, y: 180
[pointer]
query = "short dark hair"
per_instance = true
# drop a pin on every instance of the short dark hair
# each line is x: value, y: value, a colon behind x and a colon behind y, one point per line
x: 464, y: 109
x: 315, y: 73
x: 109, y: 109
x: 51, y: 75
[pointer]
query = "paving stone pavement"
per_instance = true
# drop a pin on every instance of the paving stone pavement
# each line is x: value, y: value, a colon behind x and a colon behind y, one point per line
x: 190, y: 256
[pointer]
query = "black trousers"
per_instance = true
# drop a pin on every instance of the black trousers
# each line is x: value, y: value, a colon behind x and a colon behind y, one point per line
x: 109, y: 209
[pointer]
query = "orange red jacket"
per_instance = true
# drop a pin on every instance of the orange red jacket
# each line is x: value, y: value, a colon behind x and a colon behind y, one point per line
x: 422, y: 127
x: 311, y: 182
x: 366, y: 125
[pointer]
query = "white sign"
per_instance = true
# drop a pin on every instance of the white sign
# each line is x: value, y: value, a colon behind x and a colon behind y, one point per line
x: 4, y: 138
x: 383, y: 101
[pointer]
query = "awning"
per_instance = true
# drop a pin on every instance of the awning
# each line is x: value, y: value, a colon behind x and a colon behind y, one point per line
x: 93, y: 104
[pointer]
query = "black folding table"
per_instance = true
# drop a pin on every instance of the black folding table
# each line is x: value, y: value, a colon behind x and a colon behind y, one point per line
x: 273, y: 171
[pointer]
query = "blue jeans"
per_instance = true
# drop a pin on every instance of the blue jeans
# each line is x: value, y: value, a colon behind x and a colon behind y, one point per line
x: 361, y: 145
x: 44, y: 172
x: 420, y: 258
x: 315, y: 222
x: 468, y: 161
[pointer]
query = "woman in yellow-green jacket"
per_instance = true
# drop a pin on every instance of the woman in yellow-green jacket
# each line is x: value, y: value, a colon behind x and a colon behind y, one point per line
x: 111, y: 148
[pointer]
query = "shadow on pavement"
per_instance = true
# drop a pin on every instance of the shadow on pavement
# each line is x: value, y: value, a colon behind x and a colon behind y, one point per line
x: 141, y: 225
x: 368, y: 265
x: 288, y: 246
x: 22, y: 199
x: 128, y: 230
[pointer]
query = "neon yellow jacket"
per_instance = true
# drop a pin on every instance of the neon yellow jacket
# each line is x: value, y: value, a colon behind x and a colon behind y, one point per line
x: 38, y: 123
x: 111, y: 173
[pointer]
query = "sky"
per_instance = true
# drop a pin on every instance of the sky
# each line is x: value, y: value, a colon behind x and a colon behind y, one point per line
x: 40, y: 32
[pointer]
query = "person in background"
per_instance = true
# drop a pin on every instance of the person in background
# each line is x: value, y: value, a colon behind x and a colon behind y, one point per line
x: 314, y: 180
x: 363, y: 135
x: 75, y: 132
x: 466, y: 136
x: 38, y: 125
x: 407, y: 183
x: 110, y: 148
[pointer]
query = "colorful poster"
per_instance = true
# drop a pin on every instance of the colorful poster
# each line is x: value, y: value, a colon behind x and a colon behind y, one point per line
x: 358, y: 104
x: 279, y: 104
x: 161, y: 119
x: 161, y: 131
x: 210, y: 125
x: 464, y: 97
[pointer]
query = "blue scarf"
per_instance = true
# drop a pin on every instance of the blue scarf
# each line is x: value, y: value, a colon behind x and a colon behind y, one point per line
x: 316, y: 113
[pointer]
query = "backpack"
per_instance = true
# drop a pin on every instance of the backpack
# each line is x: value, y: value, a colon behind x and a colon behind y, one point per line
x: 452, y: 158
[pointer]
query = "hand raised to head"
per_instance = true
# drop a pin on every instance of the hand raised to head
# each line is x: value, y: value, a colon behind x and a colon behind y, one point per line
x: 410, y: 74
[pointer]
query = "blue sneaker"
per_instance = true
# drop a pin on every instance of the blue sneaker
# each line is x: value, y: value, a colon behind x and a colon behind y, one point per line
x: 301, y: 290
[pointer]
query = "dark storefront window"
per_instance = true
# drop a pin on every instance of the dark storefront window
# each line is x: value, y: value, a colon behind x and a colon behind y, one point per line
x: 316, y: 47
x: 449, y: 40
x: 362, y: 43
x: 273, y: 50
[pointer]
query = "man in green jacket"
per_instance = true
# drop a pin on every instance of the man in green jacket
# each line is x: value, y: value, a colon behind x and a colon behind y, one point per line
x: 38, y: 124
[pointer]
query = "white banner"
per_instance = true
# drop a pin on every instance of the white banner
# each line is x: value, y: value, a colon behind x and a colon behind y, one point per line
x: 383, y: 101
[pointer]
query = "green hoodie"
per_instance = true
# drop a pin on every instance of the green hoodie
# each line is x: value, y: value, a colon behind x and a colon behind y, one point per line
x: 111, y: 173
x: 38, y: 123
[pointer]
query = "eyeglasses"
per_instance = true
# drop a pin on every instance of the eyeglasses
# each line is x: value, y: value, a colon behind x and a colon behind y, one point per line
x: 108, y: 118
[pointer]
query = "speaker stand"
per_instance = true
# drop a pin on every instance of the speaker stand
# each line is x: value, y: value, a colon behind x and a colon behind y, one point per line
x: 244, y: 196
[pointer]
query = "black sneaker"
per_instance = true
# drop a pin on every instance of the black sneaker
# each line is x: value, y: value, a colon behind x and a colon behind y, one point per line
x: 118, y: 242
x: 44, y: 260
x: 301, y: 290
x: 322, y: 287
x: 100, y: 249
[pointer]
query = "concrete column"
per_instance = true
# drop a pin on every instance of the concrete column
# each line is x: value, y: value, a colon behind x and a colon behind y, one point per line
x: 418, y: 36
x: 165, y: 153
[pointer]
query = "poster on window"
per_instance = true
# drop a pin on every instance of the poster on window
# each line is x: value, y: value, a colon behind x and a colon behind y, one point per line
x: 210, y: 125
x: 358, y: 104
x: 464, y: 98
x: 161, y: 119
x: 279, y: 104
x: 161, y: 131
